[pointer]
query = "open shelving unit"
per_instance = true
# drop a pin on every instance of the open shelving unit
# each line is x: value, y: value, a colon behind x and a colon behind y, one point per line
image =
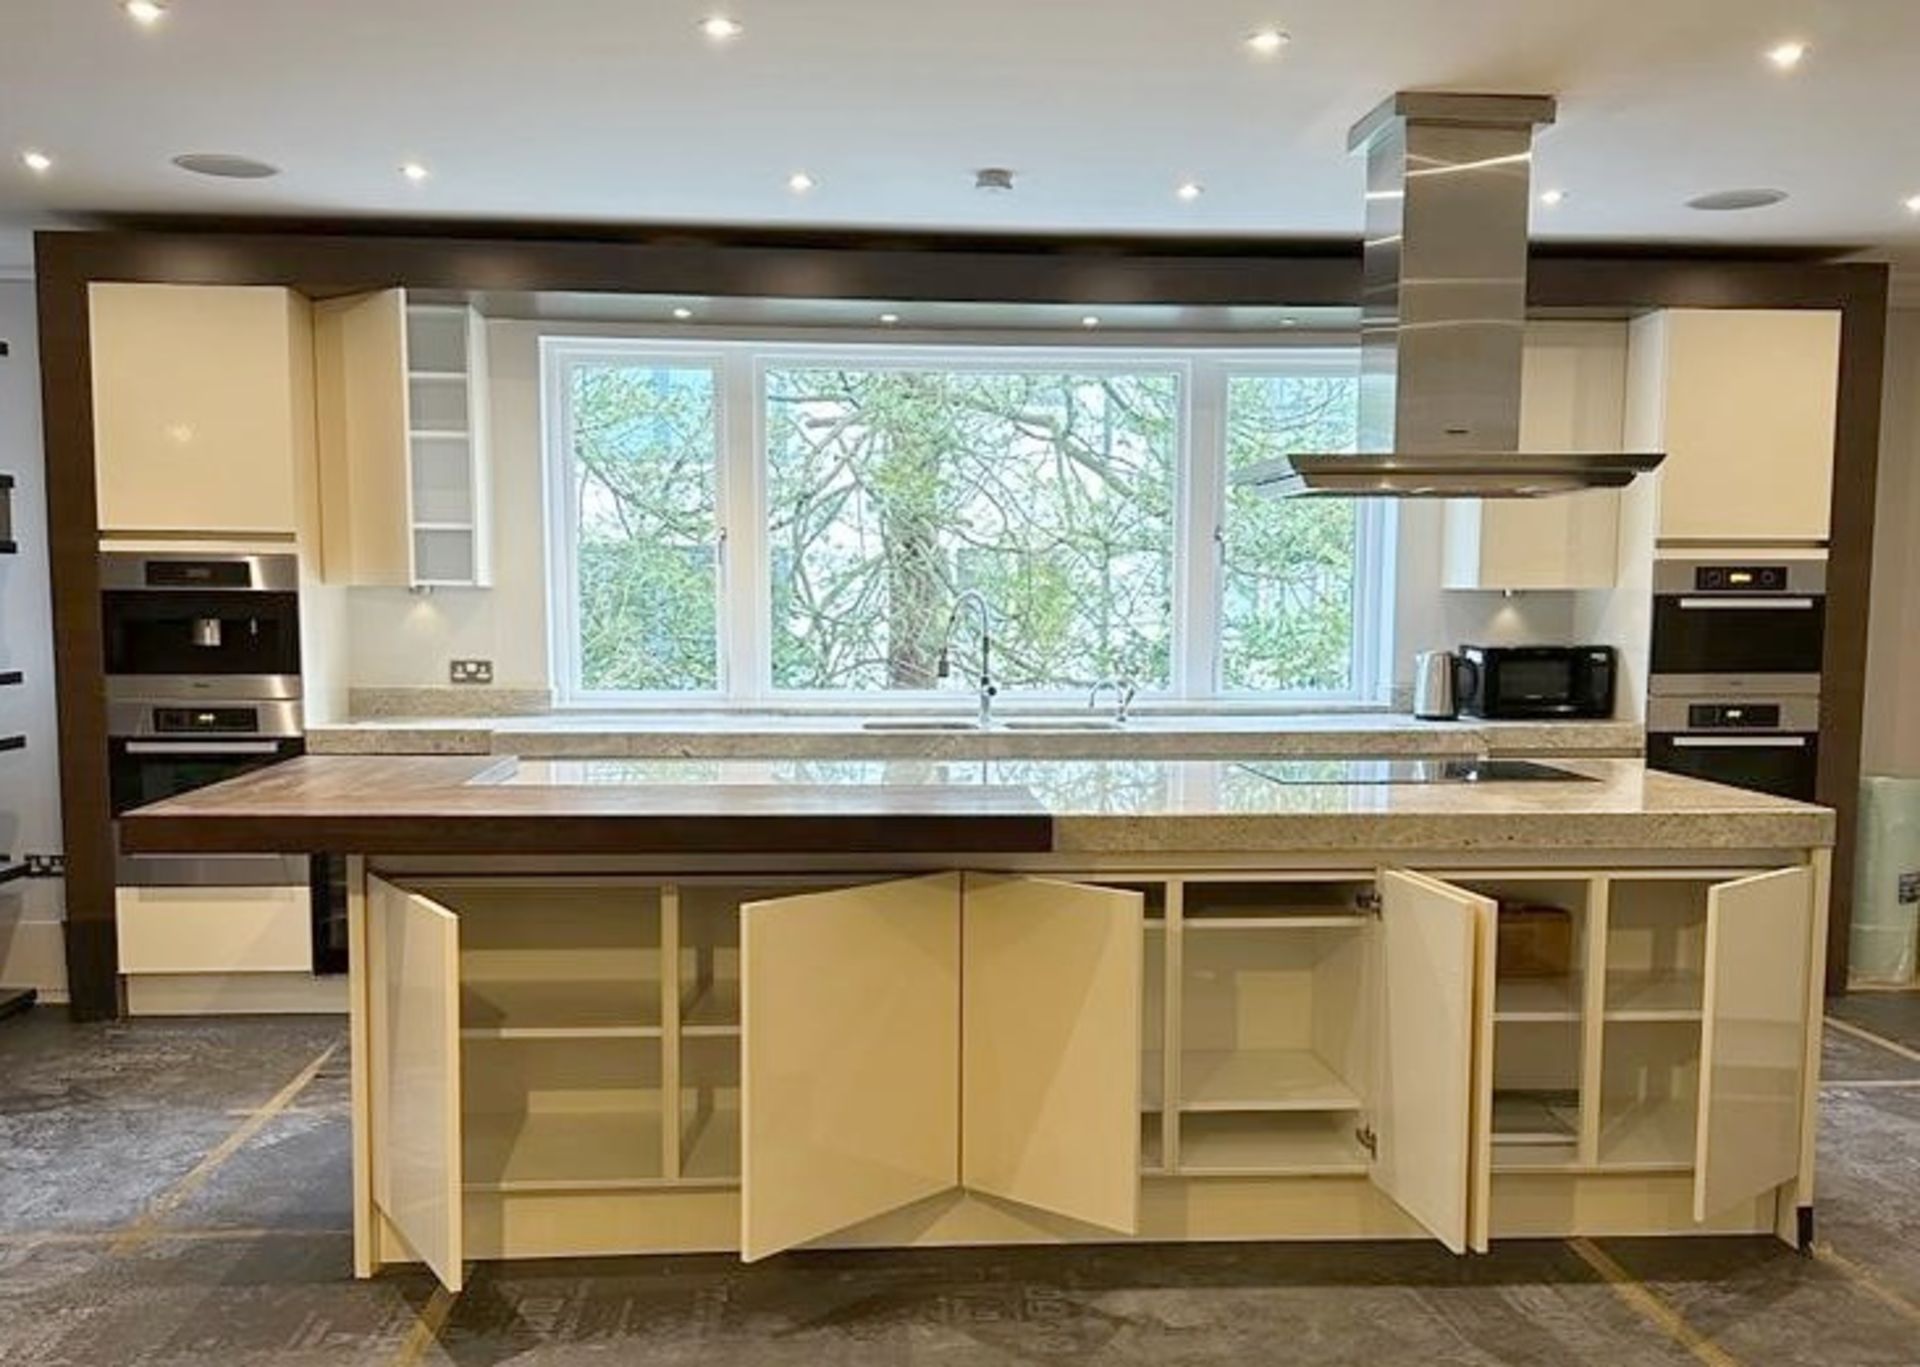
x: 1272, y: 1001
x: 446, y: 434
x: 13, y: 1000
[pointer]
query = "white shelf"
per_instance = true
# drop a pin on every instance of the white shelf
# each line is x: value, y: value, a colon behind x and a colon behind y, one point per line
x: 563, y: 1151
x: 713, y: 1011
x: 438, y: 376
x: 1537, y: 999
x: 1237, y: 1145
x: 1652, y: 1136
x: 710, y: 1153
x: 1519, y: 1157
x: 1654, y: 996
x: 559, y: 1010
x: 439, y: 434
x: 1330, y: 920
x: 1262, y: 1080
x: 443, y: 526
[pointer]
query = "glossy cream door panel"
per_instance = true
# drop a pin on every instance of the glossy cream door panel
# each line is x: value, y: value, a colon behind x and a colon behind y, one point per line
x: 1423, y: 1092
x: 850, y: 1082
x: 413, y: 949
x: 198, y: 400
x: 1050, y: 1090
x: 1753, y: 1046
x: 360, y: 363
x: 1745, y: 408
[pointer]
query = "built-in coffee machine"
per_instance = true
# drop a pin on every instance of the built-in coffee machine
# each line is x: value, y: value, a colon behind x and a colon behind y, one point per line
x: 1734, y: 687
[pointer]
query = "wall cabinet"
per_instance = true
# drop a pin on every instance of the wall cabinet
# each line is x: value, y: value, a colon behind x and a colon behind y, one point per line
x: 1743, y: 402
x: 402, y: 393
x: 597, y: 1064
x: 1572, y: 398
x: 202, y: 408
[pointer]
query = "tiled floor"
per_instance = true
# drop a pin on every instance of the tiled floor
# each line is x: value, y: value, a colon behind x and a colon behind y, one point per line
x: 147, y: 1217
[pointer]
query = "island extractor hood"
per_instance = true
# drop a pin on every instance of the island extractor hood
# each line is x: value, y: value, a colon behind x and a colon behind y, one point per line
x: 1443, y: 318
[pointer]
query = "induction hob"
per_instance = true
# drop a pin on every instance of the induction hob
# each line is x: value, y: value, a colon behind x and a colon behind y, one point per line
x: 1384, y: 771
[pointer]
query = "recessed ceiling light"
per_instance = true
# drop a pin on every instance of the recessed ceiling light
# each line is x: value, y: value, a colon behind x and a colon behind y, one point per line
x: 720, y: 28
x: 1913, y: 204
x: 889, y: 319
x: 683, y: 313
x: 1550, y: 198
x: 1090, y: 321
x: 997, y: 179
x: 1787, y: 55
x: 1732, y: 201
x: 1190, y: 190
x: 415, y: 172
x: 147, y: 12
x: 1268, y: 41
x: 1289, y: 322
x: 37, y: 162
x: 800, y: 182
x: 225, y: 166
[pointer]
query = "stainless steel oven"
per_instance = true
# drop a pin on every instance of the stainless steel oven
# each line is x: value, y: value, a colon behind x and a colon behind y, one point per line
x: 1767, y: 742
x: 1734, y: 686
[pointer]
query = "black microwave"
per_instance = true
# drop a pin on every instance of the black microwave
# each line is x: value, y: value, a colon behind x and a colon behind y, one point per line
x: 1541, y: 683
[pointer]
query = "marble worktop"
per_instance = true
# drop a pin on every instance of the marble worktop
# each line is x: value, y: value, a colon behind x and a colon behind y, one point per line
x: 716, y: 735
x: 1134, y: 807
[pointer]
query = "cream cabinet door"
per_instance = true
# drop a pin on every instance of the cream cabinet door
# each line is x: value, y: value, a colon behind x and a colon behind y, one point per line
x: 413, y: 968
x: 1753, y: 1044
x: 362, y: 416
x: 1425, y: 1085
x: 850, y: 1057
x: 1050, y: 1048
x: 202, y: 407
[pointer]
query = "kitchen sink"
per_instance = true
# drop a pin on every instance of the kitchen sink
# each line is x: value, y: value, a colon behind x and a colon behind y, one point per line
x: 918, y: 724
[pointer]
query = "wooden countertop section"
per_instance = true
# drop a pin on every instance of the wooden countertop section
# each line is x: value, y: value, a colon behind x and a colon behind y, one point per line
x: 389, y: 805
x: 413, y: 805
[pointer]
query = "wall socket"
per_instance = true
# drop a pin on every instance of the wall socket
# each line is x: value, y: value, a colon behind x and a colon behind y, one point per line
x: 470, y: 671
x: 46, y: 866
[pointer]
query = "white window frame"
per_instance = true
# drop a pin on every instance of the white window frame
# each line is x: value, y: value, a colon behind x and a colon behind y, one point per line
x: 744, y: 609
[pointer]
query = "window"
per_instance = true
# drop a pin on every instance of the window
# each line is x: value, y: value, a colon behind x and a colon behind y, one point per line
x: 890, y: 491
x: 750, y: 523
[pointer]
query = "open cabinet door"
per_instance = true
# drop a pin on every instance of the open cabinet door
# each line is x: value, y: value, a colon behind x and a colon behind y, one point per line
x: 1050, y: 1025
x: 1423, y: 1094
x: 1753, y: 1040
x: 850, y: 1057
x: 413, y: 964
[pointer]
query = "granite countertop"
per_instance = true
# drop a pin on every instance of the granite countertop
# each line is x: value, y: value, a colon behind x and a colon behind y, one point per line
x: 474, y: 805
x: 563, y: 735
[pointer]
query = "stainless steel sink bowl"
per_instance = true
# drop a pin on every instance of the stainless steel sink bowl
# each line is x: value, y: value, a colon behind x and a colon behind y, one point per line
x: 1062, y: 724
x: 918, y: 724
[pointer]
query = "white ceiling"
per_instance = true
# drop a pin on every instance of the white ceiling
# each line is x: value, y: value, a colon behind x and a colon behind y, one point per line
x: 620, y: 110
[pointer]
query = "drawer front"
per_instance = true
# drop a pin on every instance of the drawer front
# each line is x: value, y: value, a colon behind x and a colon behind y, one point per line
x: 215, y: 930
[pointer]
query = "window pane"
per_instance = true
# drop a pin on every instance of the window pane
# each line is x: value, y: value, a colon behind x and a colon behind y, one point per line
x: 892, y: 491
x: 1288, y: 574
x: 643, y: 469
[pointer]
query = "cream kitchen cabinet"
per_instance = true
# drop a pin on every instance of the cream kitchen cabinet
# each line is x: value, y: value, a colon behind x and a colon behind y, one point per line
x: 1743, y: 403
x: 402, y: 399
x: 588, y: 1064
x: 202, y: 408
x: 1573, y: 398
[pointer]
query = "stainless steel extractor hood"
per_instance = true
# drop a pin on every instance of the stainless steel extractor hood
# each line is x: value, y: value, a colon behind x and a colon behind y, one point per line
x: 1449, y: 184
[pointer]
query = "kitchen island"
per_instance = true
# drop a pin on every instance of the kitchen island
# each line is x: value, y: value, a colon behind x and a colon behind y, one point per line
x: 626, y: 1006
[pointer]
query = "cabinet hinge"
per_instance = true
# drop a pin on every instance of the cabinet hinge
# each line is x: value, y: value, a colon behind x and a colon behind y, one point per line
x: 1368, y: 901
x: 1368, y: 1140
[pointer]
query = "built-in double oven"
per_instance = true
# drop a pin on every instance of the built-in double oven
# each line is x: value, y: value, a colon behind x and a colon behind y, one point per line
x: 202, y: 657
x: 1734, y: 687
